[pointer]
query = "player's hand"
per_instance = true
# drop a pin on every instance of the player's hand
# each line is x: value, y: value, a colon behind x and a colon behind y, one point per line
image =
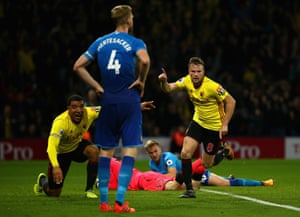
x: 138, y: 84
x: 163, y: 76
x: 223, y: 131
x: 99, y: 90
x: 147, y: 105
x: 57, y: 175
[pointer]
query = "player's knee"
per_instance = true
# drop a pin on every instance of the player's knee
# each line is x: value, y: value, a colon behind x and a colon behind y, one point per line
x: 185, y: 155
x: 92, y: 152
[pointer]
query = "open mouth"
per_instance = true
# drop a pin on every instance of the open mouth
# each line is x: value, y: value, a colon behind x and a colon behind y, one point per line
x: 78, y: 116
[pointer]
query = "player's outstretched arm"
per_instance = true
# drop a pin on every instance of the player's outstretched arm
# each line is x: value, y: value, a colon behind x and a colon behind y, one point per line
x: 163, y: 80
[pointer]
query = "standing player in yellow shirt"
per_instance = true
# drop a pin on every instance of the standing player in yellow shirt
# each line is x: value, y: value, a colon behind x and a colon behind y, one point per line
x: 213, y: 109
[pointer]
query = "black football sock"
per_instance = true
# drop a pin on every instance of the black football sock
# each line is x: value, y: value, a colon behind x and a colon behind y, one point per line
x: 219, y: 157
x: 92, y: 169
x: 179, y: 178
x: 187, y: 173
x: 197, y: 176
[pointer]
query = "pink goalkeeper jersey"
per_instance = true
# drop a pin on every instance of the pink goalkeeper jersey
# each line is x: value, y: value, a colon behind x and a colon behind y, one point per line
x: 149, y: 181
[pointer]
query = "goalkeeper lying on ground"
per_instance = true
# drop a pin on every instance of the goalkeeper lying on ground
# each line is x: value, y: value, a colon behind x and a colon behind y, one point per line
x: 154, y: 181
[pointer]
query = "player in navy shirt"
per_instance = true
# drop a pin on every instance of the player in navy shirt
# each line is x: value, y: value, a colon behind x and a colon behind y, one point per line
x: 124, y: 63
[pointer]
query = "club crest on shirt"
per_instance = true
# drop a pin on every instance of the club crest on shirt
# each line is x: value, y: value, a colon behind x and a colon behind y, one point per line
x: 220, y: 90
x: 169, y: 162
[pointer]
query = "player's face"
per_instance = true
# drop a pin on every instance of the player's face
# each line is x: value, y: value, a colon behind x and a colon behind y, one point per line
x: 197, y: 74
x: 76, y: 111
x: 154, y: 152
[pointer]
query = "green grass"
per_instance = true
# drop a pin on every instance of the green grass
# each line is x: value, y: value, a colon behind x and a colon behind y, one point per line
x: 17, y: 198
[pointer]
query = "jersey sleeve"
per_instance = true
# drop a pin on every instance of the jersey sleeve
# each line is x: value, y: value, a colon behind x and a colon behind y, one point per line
x: 91, y: 52
x: 140, y: 44
x: 181, y: 82
x: 93, y: 112
x: 53, y: 142
x: 221, y: 92
x: 170, y: 161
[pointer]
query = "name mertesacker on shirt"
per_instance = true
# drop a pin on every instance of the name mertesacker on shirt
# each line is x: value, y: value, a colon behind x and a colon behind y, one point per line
x: 123, y: 43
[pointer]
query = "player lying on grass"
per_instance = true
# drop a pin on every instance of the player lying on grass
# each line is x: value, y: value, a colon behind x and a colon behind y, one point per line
x: 149, y: 180
x: 154, y: 181
x: 212, y: 179
x: 168, y: 164
x: 66, y: 144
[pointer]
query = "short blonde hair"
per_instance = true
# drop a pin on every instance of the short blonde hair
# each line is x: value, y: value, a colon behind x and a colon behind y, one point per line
x: 196, y: 61
x: 120, y: 14
x: 150, y: 143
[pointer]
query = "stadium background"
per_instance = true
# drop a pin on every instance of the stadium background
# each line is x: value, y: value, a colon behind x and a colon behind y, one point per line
x: 251, y: 47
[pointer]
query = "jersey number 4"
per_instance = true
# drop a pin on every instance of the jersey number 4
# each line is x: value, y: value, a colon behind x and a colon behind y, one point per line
x: 113, y: 63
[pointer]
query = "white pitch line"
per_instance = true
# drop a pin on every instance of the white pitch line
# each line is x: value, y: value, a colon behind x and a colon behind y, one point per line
x: 254, y: 200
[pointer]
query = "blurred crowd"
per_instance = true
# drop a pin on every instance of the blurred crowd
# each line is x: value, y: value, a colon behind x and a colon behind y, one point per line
x: 251, y: 47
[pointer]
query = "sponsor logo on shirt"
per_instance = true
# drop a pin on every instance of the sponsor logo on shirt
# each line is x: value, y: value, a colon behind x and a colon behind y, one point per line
x: 220, y: 91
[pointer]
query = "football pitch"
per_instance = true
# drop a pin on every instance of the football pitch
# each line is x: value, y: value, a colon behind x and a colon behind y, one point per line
x: 283, y: 199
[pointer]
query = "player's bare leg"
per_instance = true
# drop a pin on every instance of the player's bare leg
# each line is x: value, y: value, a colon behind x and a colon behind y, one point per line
x: 208, y: 160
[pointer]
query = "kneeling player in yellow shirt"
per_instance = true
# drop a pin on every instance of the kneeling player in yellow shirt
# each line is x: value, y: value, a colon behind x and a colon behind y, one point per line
x: 66, y: 144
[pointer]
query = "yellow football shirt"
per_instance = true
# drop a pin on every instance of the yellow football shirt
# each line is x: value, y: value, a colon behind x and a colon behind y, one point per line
x: 207, y: 100
x: 65, y: 135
